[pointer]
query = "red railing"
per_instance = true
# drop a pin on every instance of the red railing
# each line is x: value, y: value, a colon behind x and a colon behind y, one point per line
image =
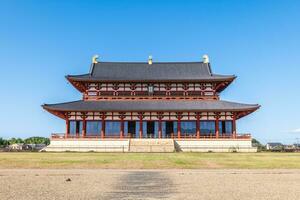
x: 192, y: 136
x: 63, y: 136
x: 145, y: 94
x: 243, y: 136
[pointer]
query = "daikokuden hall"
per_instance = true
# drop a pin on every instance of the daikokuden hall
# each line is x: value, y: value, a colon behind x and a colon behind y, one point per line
x: 151, y: 107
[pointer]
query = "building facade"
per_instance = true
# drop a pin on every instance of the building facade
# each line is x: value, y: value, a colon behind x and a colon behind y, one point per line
x: 152, y: 100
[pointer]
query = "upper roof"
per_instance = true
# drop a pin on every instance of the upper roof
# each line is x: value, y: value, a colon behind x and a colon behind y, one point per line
x: 162, y: 105
x: 157, y: 71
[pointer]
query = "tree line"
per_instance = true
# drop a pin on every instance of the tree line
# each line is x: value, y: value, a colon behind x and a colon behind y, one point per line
x: 30, y: 140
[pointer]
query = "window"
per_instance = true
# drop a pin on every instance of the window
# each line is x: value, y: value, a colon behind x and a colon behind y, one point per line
x: 150, y: 89
x: 175, y: 125
x: 144, y: 129
x: 163, y: 129
x: 75, y: 127
x: 112, y: 128
x: 125, y: 128
x: 225, y: 127
x: 131, y: 128
x: 188, y: 128
x: 137, y: 129
x: 228, y: 127
x: 207, y: 128
x: 93, y: 127
x: 169, y: 129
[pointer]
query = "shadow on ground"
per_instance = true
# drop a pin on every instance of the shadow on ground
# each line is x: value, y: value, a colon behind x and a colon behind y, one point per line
x: 142, y: 185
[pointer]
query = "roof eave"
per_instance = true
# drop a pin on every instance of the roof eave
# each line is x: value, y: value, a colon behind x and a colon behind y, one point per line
x: 77, y: 84
x: 93, y: 79
x: 243, y: 111
x: 246, y: 112
x: 226, y: 83
x: 58, y: 113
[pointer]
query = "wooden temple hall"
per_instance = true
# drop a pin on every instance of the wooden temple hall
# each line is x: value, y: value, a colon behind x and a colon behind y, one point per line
x: 158, y: 100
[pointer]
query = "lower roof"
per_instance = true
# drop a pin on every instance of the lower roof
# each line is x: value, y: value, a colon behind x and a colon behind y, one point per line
x: 162, y: 105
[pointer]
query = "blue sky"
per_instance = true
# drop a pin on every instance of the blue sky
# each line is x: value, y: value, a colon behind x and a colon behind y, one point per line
x: 42, y: 41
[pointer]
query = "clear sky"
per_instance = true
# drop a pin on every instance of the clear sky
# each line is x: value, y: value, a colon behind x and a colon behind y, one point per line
x: 42, y: 41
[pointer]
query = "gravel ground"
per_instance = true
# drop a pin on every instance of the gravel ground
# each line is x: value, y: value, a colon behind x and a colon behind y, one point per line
x: 149, y: 184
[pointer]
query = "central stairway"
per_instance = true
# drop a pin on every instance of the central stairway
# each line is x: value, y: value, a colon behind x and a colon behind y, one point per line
x: 151, y: 145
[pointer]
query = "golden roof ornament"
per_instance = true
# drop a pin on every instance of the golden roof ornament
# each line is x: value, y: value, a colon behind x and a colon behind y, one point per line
x: 205, y: 58
x: 150, y: 60
x: 95, y: 59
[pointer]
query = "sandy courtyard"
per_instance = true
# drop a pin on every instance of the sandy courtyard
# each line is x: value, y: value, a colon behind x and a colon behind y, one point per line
x: 149, y: 184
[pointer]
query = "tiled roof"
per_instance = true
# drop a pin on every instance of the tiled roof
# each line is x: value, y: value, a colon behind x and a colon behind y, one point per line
x: 157, y: 71
x: 162, y: 105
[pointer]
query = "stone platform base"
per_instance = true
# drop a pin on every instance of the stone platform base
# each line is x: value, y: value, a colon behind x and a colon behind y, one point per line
x: 151, y: 145
x: 86, y: 145
x: 209, y: 145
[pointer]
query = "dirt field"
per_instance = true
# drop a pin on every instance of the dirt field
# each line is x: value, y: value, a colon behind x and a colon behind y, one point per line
x: 142, y: 176
x: 148, y: 184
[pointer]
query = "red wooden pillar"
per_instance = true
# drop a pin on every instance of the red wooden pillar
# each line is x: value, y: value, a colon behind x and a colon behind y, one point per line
x: 141, y: 126
x: 178, y: 128
x: 122, y: 128
x: 67, y: 127
x: 217, y: 127
x: 198, y: 126
x: 159, y: 128
x: 83, y: 127
x: 103, y: 127
x: 234, y: 126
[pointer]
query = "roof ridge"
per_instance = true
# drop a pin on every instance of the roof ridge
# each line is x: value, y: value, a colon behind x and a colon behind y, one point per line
x: 139, y: 62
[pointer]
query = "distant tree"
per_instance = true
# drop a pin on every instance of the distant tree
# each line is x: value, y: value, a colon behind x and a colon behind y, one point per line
x: 12, y: 140
x: 37, y: 140
x: 257, y: 144
x: 15, y: 140
x: 3, y: 142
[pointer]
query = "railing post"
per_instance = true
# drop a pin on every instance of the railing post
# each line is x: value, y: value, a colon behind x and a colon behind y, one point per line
x: 103, y: 127
x: 83, y: 127
x: 141, y: 126
x: 234, y: 126
x: 198, y: 126
x: 159, y: 128
x: 122, y: 128
x: 178, y: 128
x: 67, y: 127
x: 217, y: 127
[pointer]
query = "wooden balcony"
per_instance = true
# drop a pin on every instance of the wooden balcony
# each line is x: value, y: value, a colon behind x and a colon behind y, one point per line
x: 60, y: 136
x: 125, y: 95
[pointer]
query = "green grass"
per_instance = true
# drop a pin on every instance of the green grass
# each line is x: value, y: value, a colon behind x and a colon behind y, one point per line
x: 71, y: 160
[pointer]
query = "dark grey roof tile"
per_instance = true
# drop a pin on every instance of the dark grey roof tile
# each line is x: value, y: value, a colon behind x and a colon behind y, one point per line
x: 135, y: 71
x: 162, y: 105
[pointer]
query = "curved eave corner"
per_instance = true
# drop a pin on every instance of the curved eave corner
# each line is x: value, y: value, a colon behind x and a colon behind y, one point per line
x: 60, y: 114
x: 225, y: 83
x: 246, y: 112
x: 76, y: 83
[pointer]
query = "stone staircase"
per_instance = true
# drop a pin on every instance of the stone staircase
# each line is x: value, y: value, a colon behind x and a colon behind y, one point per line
x: 151, y: 145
